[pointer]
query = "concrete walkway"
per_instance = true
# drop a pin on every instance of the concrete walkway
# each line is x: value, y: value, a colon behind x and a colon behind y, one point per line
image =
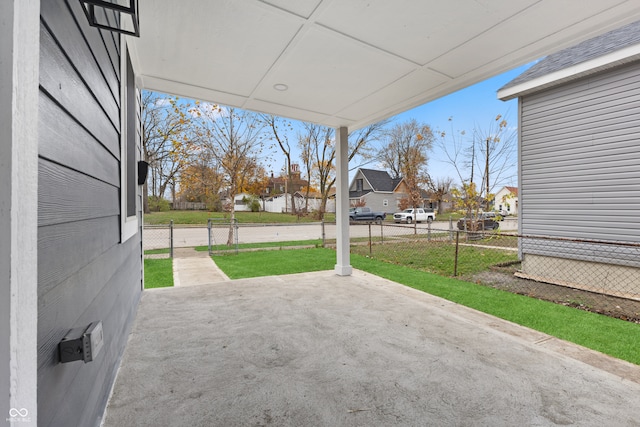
x: 193, y: 268
x: 316, y: 349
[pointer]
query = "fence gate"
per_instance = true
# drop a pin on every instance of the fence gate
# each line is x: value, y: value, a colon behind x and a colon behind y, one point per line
x: 223, y: 235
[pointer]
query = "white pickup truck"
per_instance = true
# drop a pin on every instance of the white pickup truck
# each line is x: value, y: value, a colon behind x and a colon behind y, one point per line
x: 417, y: 215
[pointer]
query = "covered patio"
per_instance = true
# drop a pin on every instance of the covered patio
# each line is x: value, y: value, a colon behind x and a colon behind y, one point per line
x: 317, y: 349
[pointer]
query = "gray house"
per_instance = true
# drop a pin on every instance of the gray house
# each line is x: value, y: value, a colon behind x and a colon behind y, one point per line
x: 579, y: 157
x: 377, y: 190
x: 70, y: 219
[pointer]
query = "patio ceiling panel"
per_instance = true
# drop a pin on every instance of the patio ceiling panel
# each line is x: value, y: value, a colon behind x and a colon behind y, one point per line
x: 419, y: 31
x: 523, y: 41
x: 348, y: 71
x: 351, y: 63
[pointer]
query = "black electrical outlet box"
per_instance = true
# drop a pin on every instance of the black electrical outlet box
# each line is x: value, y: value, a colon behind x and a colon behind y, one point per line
x: 82, y: 343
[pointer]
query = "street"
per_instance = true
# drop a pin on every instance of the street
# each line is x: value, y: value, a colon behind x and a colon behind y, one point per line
x: 185, y: 236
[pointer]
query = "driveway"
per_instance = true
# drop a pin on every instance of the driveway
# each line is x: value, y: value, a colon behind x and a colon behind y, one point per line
x: 316, y: 349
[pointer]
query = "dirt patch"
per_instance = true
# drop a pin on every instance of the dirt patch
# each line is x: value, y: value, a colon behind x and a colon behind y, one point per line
x: 502, y: 277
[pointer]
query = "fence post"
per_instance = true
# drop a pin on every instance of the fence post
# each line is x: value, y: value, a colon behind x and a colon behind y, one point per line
x: 381, y: 233
x: 209, y: 235
x: 235, y: 230
x: 455, y: 264
x: 428, y: 231
x: 369, y: 238
x: 171, y: 239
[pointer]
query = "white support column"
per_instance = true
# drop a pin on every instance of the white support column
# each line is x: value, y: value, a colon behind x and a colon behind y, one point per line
x: 343, y: 267
x: 19, y: 62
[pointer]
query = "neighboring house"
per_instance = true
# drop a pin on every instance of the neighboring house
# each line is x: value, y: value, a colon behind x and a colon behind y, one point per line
x: 580, y: 161
x: 506, y: 201
x: 280, y: 184
x: 242, y: 202
x: 377, y: 190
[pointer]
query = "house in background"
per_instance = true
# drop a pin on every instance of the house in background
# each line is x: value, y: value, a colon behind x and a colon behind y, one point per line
x: 377, y: 190
x: 70, y: 200
x: 579, y: 160
x: 506, y: 201
x: 280, y: 184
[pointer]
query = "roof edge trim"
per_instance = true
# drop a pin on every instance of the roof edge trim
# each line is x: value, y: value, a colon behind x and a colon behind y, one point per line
x: 619, y: 57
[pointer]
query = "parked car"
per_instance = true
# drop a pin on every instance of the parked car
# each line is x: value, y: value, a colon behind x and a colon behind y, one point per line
x: 417, y: 215
x: 485, y: 221
x: 366, y: 214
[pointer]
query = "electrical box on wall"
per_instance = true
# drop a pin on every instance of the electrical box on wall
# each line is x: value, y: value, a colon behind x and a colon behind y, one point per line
x: 82, y: 344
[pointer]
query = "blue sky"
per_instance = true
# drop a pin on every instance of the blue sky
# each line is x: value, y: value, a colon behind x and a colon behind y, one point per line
x: 475, y: 106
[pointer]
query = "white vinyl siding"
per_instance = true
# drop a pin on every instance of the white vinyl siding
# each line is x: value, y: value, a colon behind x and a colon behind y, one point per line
x: 580, y: 164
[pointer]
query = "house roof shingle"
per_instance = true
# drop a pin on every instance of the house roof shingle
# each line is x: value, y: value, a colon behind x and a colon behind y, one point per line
x: 612, y: 41
x: 380, y: 180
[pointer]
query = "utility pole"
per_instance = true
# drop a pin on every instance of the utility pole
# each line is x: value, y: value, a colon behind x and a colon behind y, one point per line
x: 487, y: 172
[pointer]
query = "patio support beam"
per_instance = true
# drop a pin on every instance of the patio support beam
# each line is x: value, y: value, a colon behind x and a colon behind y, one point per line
x: 343, y: 267
x: 19, y: 64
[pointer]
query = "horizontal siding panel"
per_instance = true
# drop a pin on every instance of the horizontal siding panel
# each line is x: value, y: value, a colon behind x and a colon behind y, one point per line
x: 622, y: 132
x: 580, y: 159
x: 579, y: 99
x: 64, y: 85
x: 64, y: 141
x: 61, y: 23
x: 63, y: 249
x: 588, y: 106
x: 596, y: 123
x: 579, y: 90
x: 66, y: 196
x: 622, y: 140
x: 106, y: 59
x: 112, y: 299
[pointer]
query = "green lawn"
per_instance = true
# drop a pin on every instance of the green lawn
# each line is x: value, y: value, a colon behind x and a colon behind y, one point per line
x: 200, y: 217
x: 158, y: 273
x: 605, y: 334
x: 438, y: 257
x: 270, y: 263
x: 283, y: 244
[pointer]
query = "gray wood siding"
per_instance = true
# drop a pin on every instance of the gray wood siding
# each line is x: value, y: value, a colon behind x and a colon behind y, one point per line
x: 580, y: 158
x: 85, y: 272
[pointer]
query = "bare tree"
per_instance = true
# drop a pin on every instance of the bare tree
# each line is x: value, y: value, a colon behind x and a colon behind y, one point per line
x: 234, y: 139
x: 489, y: 152
x: 279, y: 129
x: 405, y: 155
x: 319, y: 152
x: 440, y: 188
x: 167, y: 140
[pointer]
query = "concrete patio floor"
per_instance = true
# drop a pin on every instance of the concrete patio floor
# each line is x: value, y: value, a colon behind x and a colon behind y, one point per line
x: 316, y: 349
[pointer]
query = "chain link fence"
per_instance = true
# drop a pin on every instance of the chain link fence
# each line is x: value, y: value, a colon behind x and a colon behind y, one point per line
x: 222, y: 236
x: 157, y: 241
x: 599, y: 276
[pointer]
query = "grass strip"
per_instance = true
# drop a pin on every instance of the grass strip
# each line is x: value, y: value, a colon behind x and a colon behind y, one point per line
x: 611, y: 336
x: 201, y: 217
x: 157, y: 251
x: 158, y: 273
x: 260, y: 245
